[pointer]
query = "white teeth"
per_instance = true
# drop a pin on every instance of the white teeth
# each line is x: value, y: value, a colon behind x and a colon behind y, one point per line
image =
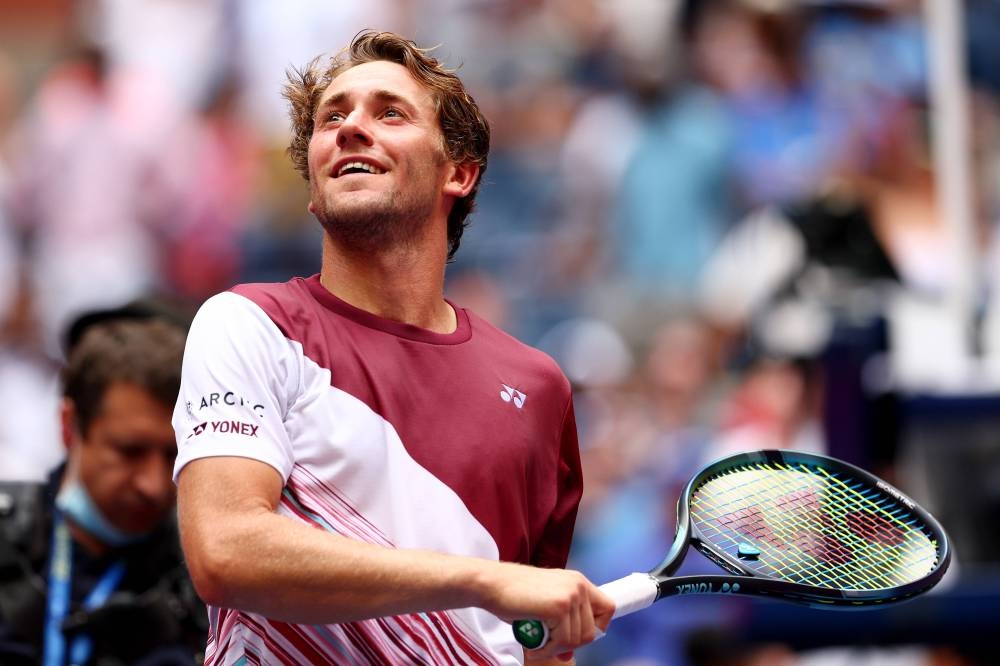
x: 359, y: 165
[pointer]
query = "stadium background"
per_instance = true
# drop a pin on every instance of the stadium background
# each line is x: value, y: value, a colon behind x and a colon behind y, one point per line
x: 722, y: 218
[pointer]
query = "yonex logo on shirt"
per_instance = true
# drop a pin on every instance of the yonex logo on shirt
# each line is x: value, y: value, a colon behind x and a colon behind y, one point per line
x: 233, y: 427
x: 509, y: 394
x: 198, y: 429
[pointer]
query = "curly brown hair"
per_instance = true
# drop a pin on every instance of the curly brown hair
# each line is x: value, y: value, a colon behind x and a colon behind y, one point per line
x: 466, y: 131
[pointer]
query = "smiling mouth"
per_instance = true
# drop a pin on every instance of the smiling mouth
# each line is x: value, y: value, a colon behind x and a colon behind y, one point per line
x: 358, y: 167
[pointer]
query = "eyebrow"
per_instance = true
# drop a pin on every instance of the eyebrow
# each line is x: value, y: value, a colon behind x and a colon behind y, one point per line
x: 384, y: 96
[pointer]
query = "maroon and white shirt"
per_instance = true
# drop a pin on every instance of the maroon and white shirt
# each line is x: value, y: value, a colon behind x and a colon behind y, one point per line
x: 463, y: 443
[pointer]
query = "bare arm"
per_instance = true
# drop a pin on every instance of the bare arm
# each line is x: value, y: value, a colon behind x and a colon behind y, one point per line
x: 244, y: 555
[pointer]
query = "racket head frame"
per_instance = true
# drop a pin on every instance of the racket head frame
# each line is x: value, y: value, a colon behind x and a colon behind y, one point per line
x: 747, y: 581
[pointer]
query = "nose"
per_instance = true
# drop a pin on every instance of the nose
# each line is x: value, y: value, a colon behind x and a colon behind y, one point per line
x: 354, y: 128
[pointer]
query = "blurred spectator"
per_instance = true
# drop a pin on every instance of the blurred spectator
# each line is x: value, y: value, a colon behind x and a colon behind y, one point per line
x: 91, y: 567
x: 863, y: 57
x: 29, y: 438
x: 87, y: 188
x: 675, y: 202
x: 10, y: 259
x: 776, y: 405
x: 10, y: 248
x: 214, y: 160
x: 982, y: 20
x: 750, y: 53
x: 280, y: 239
x: 643, y: 177
x: 142, y: 36
x: 30, y: 443
x: 842, y: 254
x: 610, y: 422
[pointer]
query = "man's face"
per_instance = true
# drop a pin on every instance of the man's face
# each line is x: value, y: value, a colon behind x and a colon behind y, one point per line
x: 126, y: 458
x: 377, y: 167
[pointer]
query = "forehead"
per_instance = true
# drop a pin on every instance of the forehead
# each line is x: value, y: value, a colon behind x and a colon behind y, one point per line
x: 131, y: 412
x: 378, y: 77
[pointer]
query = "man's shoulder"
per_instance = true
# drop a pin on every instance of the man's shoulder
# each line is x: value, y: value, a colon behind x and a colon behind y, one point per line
x: 288, y: 305
x: 275, y: 298
x: 23, y: 552
x: 23, y: 513
x: 290, y: 289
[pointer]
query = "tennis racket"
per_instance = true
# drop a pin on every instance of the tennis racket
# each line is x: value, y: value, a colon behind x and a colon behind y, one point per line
x: 792, y: 526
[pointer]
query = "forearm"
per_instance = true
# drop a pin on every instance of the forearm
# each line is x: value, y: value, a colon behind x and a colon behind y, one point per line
x: 243, y: 554
x: 301, y: 574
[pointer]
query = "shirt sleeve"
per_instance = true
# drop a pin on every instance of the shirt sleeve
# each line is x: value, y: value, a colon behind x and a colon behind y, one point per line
x: 237, y: 380
x: 553, y: 549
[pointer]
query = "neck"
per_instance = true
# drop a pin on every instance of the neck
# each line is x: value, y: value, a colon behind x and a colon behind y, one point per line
x: 403, y: 284
x: 78, y: 533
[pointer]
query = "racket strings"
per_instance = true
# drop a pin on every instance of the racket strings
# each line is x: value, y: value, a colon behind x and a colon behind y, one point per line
x: 797, y: 548
x: 859, y: 566
x: 814, y: 548
x: 813, y: 527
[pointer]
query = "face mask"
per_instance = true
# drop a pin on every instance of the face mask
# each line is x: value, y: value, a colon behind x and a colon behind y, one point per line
x: 74, y: 501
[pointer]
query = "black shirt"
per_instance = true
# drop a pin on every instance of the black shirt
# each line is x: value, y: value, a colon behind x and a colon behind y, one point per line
x: 154, y: 615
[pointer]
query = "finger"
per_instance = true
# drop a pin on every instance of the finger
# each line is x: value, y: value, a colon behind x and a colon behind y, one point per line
x: 587, y: 630
x: 580, y: 618
x: 555, y: 644
x: 603, y: 610
x: 562, y: 634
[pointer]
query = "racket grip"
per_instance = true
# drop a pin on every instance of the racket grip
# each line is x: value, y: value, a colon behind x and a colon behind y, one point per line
x: 630, y: 594
x: 532, y: 634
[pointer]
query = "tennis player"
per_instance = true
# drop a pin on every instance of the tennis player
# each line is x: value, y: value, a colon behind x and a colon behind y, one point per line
x: 367, y: 473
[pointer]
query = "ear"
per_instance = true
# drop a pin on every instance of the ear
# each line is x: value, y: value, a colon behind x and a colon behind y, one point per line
x: 462, y: 179
x: 69, y: 422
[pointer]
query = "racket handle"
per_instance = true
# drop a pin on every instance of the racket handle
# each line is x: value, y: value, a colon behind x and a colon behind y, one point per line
x: 630, y: 594
x: 532, y: 634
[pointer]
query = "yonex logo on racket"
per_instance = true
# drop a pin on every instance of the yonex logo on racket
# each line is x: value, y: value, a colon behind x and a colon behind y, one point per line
x: 895, y: 493
x: 509, y: 394
x: 707, y: 588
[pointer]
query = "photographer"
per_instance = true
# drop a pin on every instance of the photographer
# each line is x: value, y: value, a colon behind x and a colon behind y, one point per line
x: 90, y: 567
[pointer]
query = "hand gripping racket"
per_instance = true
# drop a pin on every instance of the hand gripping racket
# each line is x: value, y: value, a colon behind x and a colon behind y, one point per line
x: 793, y: 526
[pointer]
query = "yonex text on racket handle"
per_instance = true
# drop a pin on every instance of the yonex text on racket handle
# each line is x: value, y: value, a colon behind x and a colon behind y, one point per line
x: 630, y: 594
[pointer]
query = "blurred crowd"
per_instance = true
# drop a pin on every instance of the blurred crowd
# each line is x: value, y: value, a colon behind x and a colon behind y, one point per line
x: 720, y: 217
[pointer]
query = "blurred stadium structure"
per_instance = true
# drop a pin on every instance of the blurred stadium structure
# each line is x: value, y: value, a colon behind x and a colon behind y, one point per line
x: 729, y: 220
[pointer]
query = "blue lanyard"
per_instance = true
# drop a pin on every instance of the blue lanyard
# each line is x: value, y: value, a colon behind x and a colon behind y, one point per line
x: 60, y: 576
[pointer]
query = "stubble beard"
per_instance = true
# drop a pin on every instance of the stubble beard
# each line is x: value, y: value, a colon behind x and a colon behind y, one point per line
x: 386, y: 220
